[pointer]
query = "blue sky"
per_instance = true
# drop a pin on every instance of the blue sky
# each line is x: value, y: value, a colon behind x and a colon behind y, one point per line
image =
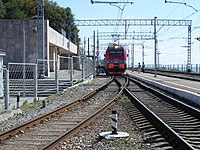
x: 171, y: 40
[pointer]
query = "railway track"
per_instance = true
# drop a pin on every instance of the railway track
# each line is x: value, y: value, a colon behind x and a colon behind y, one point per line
x: 48, y: 131
x: 170, y: 123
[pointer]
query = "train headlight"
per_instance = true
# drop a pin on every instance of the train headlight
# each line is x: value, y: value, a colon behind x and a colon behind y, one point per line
x: 110, y: 65
x: 116, y: 46
x: 121, y: 66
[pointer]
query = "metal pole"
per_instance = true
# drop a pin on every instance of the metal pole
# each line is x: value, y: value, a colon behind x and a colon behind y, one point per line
x: 18, y: 99
x: 71, y: 72
x: 189, y: 50
x: 84, y: 46
x: 6, y: 89
x: 97, y: 49
x: 69, y: 41
x: 88, y: 47
x: 94, y: 73
x: 155, y: 45
x: 56, y: 70
x: 35, y: 82
x: 41, y: 49
x: 133, y: 56
x: 82, y: 58
x: 142, y: 52
x: 24, y: 57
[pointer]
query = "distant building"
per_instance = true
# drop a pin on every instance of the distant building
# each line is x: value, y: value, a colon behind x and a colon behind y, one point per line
x: 13, y: 33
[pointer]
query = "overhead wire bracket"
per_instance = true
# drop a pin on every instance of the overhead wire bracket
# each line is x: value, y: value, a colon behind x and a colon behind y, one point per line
x: 111, y: 2
x: 181, y: 3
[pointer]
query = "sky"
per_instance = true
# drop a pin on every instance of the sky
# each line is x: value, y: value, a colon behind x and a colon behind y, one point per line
x: 171, y: 40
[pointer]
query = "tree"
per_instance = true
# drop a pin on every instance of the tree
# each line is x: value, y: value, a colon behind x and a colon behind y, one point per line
x: 2, y: 9
x: 20, y: 9
x: 59, y: 18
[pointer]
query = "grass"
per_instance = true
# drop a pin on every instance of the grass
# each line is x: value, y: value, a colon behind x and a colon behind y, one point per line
x: 123, y: 98
x: 25, y: 105
x: 53, y: 96
x: 91, y: 82
x: 121, y: 141
x: 28, y: 106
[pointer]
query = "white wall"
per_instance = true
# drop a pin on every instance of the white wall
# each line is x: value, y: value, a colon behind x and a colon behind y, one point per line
x: 60, y: 41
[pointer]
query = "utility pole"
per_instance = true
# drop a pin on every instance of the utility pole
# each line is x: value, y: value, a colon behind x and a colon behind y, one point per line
x: 133, y: 56
x: 155, y: 45
x: 69, y: 41
x: 97, y: 49
x: 40, y: 51
x: 94, y: 64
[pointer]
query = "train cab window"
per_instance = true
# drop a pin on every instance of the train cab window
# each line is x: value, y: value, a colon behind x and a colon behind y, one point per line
x: 116, y: 53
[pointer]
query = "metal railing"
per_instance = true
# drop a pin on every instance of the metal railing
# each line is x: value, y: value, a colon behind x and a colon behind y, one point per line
x: 176, y: 67
x: 23, y: 81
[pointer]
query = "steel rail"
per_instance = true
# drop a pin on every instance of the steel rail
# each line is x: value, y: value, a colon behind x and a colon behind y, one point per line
x: 187, y: 108
x: 11, y: 132
x: 55, y: 144
x: 174, y: 139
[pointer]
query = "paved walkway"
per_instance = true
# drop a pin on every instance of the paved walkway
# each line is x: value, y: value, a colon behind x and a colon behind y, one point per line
x: 65, y: 74
x: 186, y: 89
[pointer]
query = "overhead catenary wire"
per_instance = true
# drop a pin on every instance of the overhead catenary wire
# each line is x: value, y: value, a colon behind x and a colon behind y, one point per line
x: 182, y: 19
x: 117, y: 4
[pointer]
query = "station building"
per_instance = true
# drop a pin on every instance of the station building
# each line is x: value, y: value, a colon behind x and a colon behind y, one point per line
x: 20, y: 40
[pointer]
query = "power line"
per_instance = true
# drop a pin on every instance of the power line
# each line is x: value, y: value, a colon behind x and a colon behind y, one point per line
x: 115, y: 3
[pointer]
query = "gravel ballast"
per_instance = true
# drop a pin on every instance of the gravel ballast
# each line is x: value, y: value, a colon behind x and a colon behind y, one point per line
x: 87, y: 138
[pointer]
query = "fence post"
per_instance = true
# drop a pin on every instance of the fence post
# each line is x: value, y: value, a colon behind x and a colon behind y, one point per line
x: 196, y: 68
x: 35, y: 82
x: 56, y: 70
x: 6, y: 85
x: 24, y: 79
x: 18, y: 96
x: 71, y: 72
x: 83, y: 67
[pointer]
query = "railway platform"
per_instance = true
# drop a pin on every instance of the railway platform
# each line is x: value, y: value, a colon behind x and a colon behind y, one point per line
x: 186, y: 89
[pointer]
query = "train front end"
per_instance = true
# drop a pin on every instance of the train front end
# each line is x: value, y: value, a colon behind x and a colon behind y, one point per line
x: 115, y: 58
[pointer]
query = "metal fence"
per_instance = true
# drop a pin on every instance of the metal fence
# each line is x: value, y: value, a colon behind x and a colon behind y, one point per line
x: 28, y: 82
x: 20, y: 84
x: 177, y: 67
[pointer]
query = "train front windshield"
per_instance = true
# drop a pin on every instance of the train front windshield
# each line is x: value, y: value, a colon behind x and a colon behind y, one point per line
x: 114, y: 52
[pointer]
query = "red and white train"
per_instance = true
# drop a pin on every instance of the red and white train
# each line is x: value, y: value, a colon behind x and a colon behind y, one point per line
x: 115, y: 60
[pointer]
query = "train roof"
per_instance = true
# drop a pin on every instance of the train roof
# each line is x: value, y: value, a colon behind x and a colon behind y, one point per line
x: 111, y: 45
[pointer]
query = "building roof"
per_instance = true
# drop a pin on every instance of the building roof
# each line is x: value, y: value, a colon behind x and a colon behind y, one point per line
x: 3, y: 52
